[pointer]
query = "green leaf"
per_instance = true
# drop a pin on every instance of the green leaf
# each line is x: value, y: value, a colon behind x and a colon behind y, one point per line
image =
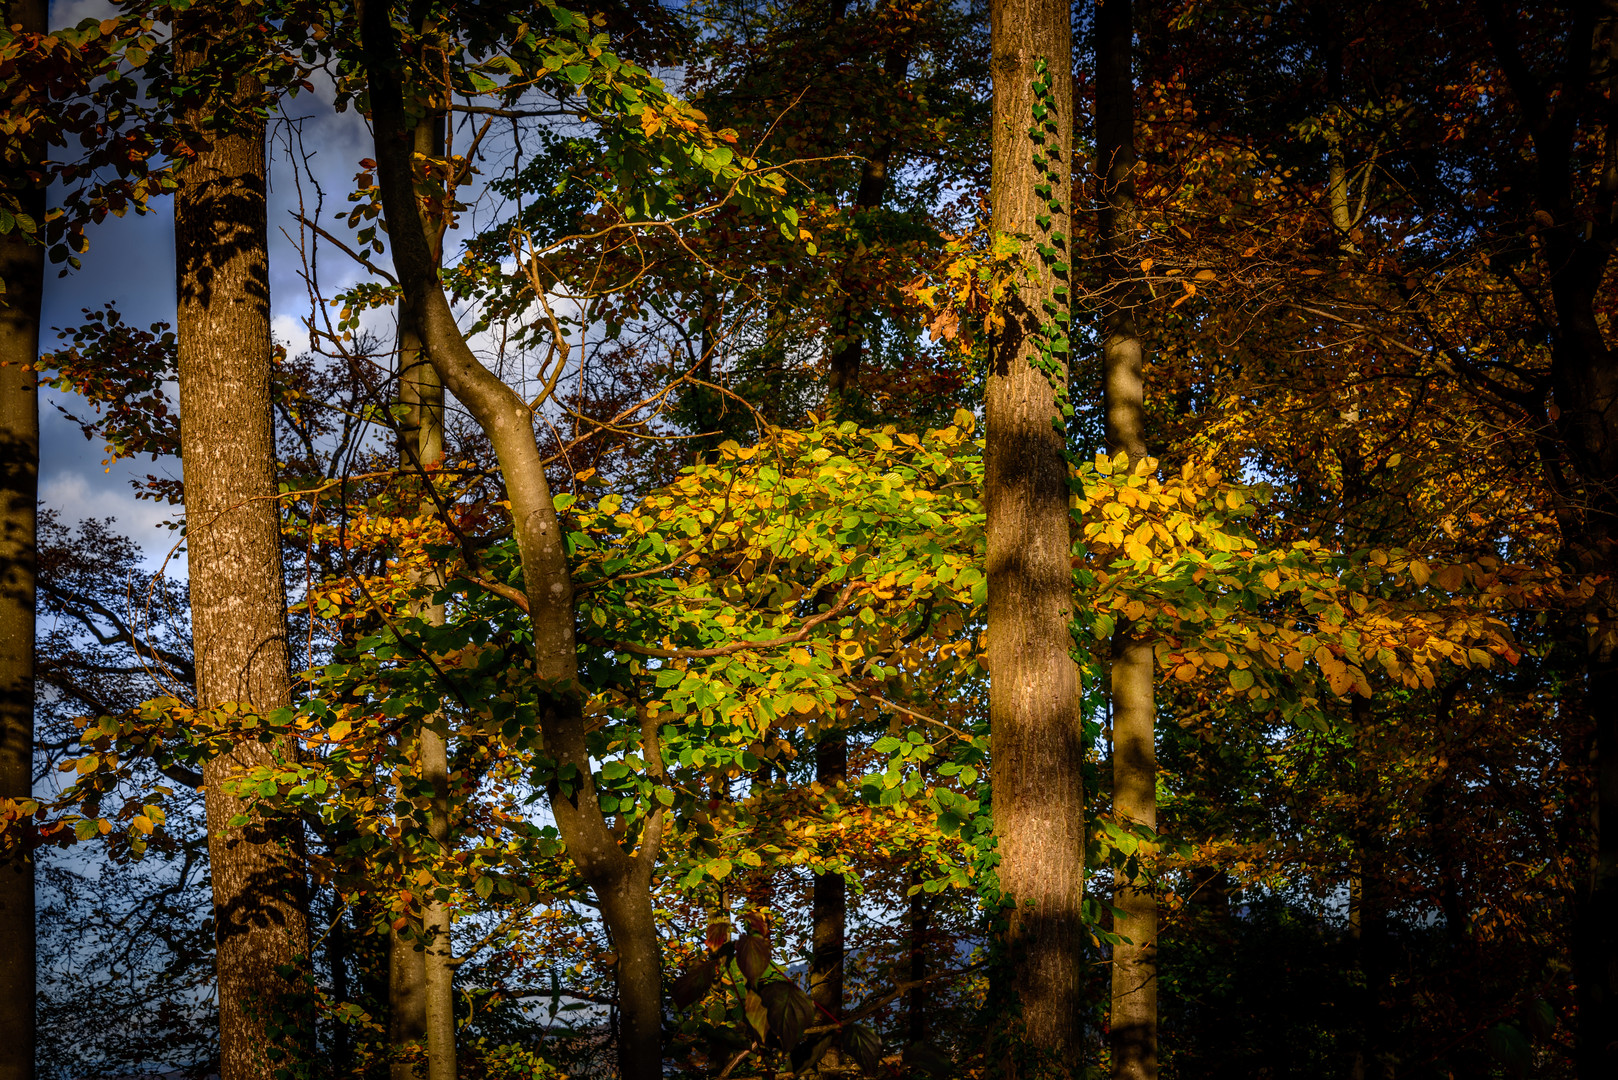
x: 752, y: 956
x: 757, y: 1014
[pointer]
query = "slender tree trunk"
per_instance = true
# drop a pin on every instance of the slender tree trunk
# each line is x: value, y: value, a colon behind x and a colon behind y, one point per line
x: 421, y: 980
x: 830, y: 904
x: 1342, y: 219
x: 829, y: 907
x: 1133, y: 1028
x: 620, y: 879
x: 1036, y: 739
x: 22, y: 270
x: 407, y: 1000
x: 233, y: 536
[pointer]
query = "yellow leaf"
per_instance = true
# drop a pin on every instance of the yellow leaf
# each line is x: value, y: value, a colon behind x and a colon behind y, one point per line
x: 1341, y: 680
x: 141, y: 824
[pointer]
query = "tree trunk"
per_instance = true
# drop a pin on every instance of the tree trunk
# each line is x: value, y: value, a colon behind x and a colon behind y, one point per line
x: 1134, y: 802
x: 1036, y: 740
x: 620, y: 879
x: 233, y: 536
x: 22, y: 270
x: 830, y: 904
x: 829, y: 907
x: 421, y: 979
x: 407, y: 1001
x: 1133, y: 1025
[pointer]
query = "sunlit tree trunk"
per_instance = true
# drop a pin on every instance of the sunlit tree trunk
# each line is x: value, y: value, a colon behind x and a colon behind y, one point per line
x: 22, y: 269
x: 421, y: 978
x: 1036, y: 739
x: 233, y: 539
x: 1133, y: 1028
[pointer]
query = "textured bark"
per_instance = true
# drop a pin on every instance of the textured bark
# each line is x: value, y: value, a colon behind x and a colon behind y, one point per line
x: 233, y: 538
x: 407, y: 1000
x: 1133, y: 1027
x: 22, y: 270
x: 421, y: 973
x: 620, y: 879
x: 1036, y: 737
x: 1134, y: 800
x: 829, y: 907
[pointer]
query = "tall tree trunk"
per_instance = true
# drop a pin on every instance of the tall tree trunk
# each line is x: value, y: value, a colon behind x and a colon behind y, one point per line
x: 233, y: 536
x: 829, y: 907
x: 1036, y: 739
x: 22, y: 270
x: 421, y: 977
x: 620, y: 879
x: 1133, y: 1029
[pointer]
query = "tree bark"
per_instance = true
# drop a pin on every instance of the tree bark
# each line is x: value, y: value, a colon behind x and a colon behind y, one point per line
x: 22, y: 270
x: 1133, y: 1027
x: 233, y: 536
x: 620, y: 879
x: 421, y: 975
x: 1036, y: 737
x: 829, y: 906
x: 830, y: 903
